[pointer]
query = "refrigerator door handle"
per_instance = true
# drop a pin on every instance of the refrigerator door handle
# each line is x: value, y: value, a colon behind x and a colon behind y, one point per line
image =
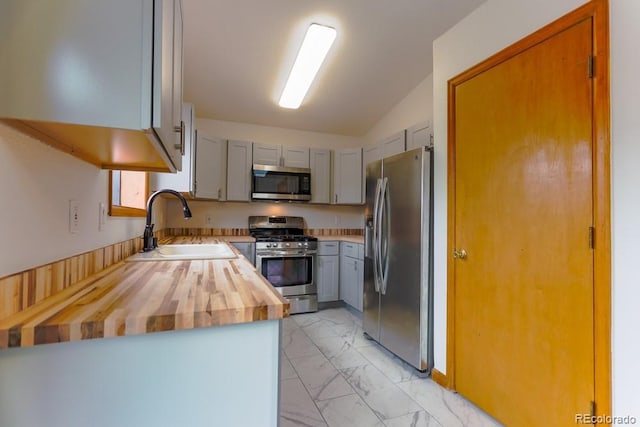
x: 383, y: 256
x: 376, y: 236
x: 387, y: 215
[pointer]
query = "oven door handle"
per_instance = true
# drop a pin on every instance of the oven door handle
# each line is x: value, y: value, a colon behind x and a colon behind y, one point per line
x: 286, y: 254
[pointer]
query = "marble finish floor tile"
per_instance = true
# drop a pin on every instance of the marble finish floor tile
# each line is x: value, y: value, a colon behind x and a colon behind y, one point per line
x: 320, y: 329
x: 286, y: 369
x: 320, y: 377
x: 340, y: 353
x: 297, y: 344
x: 416, y: 419
x: 296, y: 407
x: 383, y: 396
x: 348, y: 411
x: 392, y: 366
x: 332, y: 375
x: 448, y: 408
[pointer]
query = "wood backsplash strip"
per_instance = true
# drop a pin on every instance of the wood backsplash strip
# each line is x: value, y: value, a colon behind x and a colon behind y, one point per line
x: 22, y: 290
x: 334, y: 231
x: 245, y: 231
x: 206, y: 232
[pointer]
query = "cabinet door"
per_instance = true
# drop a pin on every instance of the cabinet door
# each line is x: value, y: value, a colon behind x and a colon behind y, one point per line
x: 267, y: 154
x: 346, y: 279
x: 179, y: 147
x: 182, y: 180
x: 211, y: 166
x: 320, y: 163
x: 239, y: 170
x: 295, y: 157
x: 163, y: 78
x: 394, y: 144
x: 347, y: 176
x: 419, y: 136
x: 371, y: 154
x: 328, y: 278
x: 359, y: 285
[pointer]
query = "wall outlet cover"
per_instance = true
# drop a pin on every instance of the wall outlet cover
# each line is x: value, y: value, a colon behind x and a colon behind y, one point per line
x: 74, y: 216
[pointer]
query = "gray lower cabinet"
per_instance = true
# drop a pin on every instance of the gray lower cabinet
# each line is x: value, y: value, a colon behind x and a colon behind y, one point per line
x: 328, y: 271
x: 351, y: 274
x: 247, y: 249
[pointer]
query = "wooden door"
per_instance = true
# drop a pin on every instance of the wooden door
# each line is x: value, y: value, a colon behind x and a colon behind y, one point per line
x: 522, y: 158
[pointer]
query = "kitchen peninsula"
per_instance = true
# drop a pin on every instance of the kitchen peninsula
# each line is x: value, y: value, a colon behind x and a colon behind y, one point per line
x: 217, y: 348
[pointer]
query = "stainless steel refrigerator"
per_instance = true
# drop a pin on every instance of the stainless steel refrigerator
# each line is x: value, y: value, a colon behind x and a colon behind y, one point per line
x: 398, y: 291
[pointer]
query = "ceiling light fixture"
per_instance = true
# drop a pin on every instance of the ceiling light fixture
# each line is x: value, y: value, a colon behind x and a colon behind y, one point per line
x: 313, y: 51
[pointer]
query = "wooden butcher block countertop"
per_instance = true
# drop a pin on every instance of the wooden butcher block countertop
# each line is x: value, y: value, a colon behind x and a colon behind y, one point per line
x: 133, y: 298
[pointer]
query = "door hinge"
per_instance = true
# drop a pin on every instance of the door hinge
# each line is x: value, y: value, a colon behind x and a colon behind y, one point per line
x: 592, y: 232
x: 591, y: 65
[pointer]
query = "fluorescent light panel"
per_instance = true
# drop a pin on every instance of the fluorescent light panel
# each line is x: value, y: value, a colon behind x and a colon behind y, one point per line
x: 314, y: 49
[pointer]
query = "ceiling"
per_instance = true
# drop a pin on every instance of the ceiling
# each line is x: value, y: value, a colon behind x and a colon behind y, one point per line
x: 237, y: 55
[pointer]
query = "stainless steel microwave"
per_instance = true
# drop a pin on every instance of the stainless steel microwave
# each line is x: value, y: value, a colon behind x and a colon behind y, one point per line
x: 280, y: 183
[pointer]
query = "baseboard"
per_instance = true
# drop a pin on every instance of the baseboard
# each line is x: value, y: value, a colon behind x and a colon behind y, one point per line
x: 440, y: 378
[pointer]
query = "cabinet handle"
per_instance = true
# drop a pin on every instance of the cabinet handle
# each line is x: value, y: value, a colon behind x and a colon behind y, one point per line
x: 219, y: 193
x: 336, y: 199
x: 180, y: 129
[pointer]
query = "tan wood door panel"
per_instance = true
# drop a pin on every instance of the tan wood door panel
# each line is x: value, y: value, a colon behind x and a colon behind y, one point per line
x: 524, y: 332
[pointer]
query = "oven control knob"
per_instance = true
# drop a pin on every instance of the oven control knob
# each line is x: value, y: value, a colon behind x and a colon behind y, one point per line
x: 306, y: 243
x: 268, y: 245
x: 299, y: 244
x: 287, y: 244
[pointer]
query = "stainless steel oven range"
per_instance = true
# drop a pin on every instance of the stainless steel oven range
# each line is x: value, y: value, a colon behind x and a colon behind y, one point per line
x: 287, y: 259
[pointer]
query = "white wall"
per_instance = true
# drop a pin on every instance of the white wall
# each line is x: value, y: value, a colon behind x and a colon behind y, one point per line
x: 236, y: 214
x: 496, y: 25
x: 625, y: 122
x: 274, y: 135
x: 36, y: 184
x: 415, y: 108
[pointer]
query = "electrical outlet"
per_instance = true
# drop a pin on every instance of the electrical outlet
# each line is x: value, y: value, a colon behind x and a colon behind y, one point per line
x: 74, y: 216
x: 102, y: 214
x: 209, y: 219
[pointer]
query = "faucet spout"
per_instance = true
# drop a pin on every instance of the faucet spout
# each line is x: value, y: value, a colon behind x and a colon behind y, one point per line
x: 149, y: 241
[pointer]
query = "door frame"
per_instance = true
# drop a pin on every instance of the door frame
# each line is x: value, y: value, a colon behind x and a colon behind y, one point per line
x: 598, y: 11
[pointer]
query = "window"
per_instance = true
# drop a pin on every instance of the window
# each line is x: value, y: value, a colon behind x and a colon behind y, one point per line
x: 128, y: 193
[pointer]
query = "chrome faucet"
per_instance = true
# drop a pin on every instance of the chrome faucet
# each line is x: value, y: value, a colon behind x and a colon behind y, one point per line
x: 150, y: 242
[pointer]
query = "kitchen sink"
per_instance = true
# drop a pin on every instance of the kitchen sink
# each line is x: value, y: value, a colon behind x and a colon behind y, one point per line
x: 186, y: 252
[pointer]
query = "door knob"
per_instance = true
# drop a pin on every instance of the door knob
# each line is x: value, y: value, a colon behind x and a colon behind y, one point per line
x: 460, y: 254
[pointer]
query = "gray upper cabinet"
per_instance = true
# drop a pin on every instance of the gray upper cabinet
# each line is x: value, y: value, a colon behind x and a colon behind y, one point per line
x: 182, y: 180
x: 210, y: 167
x: 320, y: 162
x: 280, y: 155
x: 267, y: 154
x: 347, y: 176
x: 419, y: 135
x: 102, y: 80
x: 295, y: 157
x: 239, y: 155
x: 371, y: 153
x: 393, y: 144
